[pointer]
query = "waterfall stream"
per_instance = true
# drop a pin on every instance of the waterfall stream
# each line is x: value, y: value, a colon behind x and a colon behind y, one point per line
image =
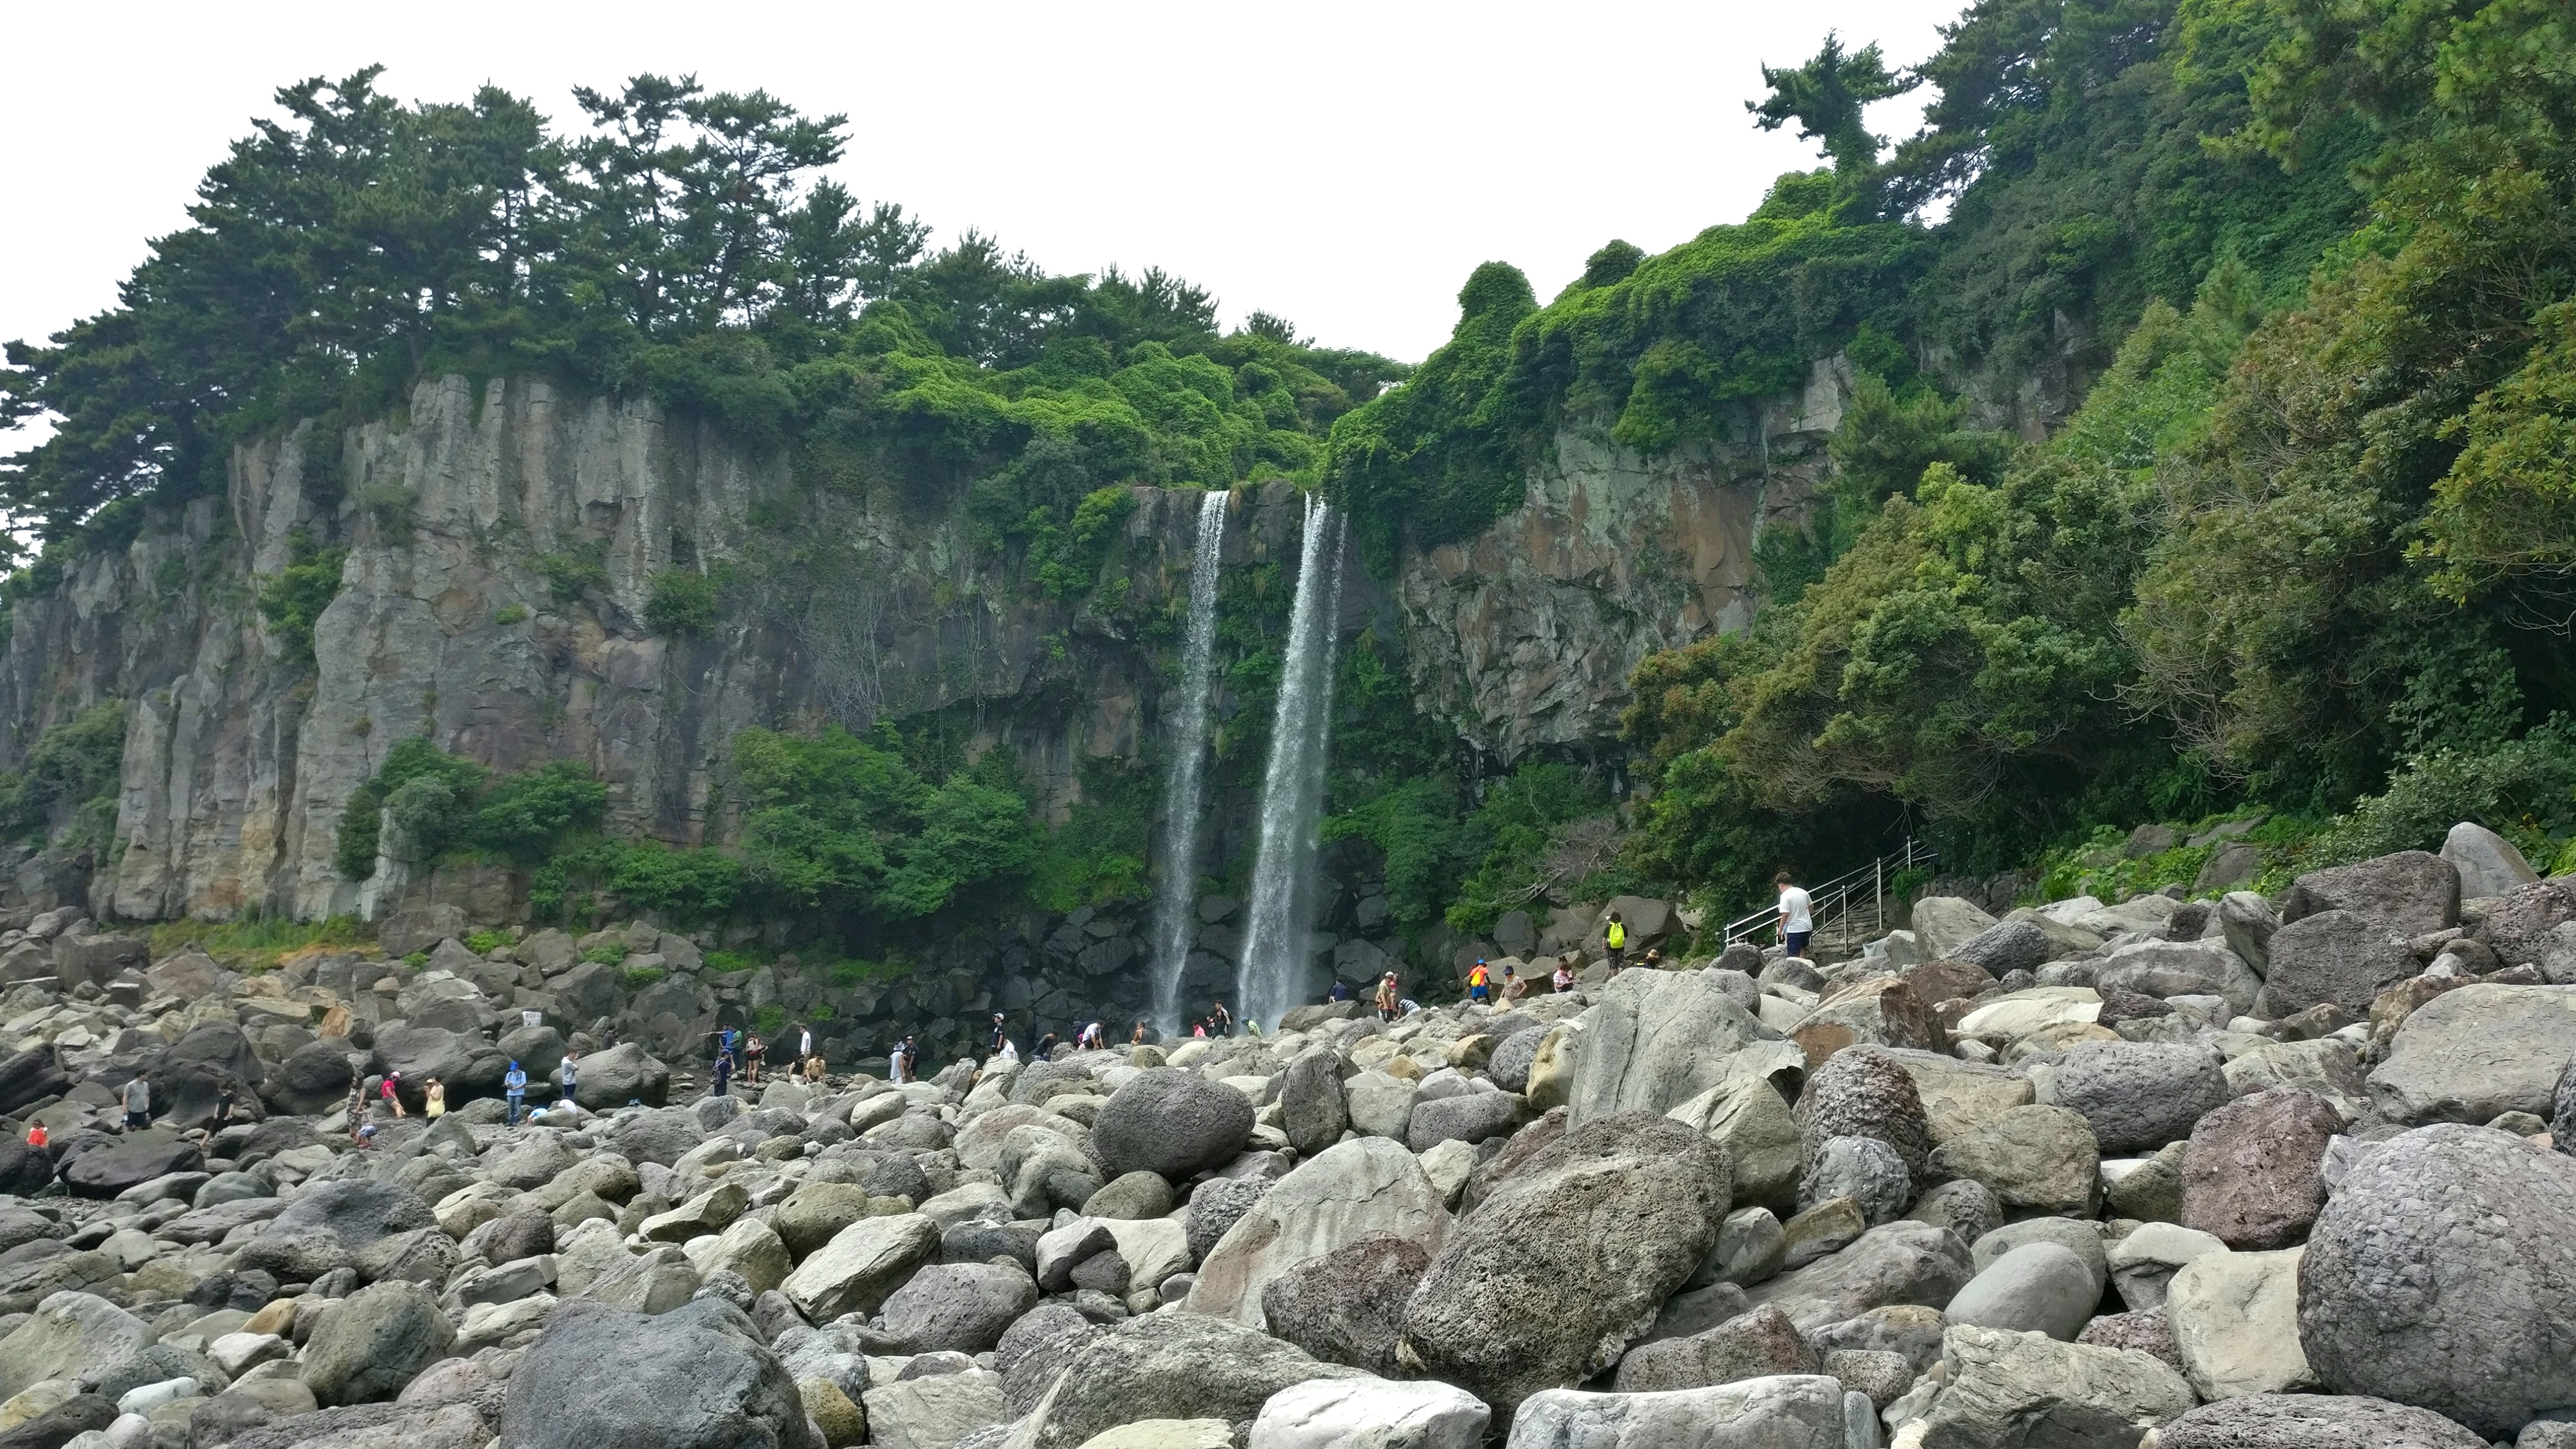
x: 1275, y: 943
x: 1184, y: 786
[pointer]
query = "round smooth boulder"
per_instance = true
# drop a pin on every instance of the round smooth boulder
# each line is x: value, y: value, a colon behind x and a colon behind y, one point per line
x: 958, y: 1306
x: 2038, y: 1287
x: 312, y: 1080
x: 1171, y: 1122
x: 2138, y: 1096
x: 2442, y: 1274
x: 370, y: 1344
x: 697, y: 1377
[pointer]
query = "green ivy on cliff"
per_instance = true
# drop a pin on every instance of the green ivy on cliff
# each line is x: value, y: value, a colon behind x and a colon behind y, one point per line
x: 680, y: 244
x: 69, y: 777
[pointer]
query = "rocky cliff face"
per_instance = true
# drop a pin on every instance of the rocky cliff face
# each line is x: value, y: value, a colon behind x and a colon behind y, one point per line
x: 463, y: 520
x: 503, y: 545
x: 1525, y: 635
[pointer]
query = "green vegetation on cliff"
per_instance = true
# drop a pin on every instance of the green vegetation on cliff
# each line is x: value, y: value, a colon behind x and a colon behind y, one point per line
x: 678, y: 245
x: 2305, y: 541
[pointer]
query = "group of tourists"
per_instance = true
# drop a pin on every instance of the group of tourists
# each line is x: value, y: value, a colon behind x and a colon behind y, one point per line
x: 745, y: 1052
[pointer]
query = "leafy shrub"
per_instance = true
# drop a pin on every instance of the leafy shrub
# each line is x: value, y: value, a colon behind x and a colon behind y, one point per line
x: 510, y: 614
x: 638, y: 977
x: 571, y: 573
x: 301, y: 591
x: 607, y: 955
x: 75, y: 767
x: 683, y: 601
x: 485, y: 941
x: 441, y: 803
x: 2524, y: 790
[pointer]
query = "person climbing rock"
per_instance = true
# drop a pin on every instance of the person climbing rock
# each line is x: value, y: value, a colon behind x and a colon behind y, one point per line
x: 433, y: 1099
x: 1480, y: 983
x: 138, y: 1102
x: 570, y: 1071
x: 1386, y: 997
x: 1614, y: 939
x: 1221, y: 1020
x: 514, y: 1092
x: 753, y: 1052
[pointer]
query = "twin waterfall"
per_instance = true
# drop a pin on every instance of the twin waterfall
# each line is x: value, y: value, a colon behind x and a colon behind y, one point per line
x: 1274, y: 969
x: 1185, y: 787
x: 1275, y: 942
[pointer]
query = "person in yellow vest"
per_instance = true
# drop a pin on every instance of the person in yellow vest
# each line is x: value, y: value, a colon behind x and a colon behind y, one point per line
x: 1615, y: 936
x: 1480, y: 983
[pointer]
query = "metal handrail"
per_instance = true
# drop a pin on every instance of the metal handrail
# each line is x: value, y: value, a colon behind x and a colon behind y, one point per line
x: 1836, y: 898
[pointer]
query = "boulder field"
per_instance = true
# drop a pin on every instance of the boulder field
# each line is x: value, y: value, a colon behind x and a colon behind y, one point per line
x: 2156, y: 1174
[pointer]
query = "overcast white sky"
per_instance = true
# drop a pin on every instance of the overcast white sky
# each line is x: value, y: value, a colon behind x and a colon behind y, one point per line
x: 1342, y: 164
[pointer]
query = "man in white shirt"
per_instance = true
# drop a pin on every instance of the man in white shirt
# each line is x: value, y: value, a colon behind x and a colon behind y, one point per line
x: 1797, y: 915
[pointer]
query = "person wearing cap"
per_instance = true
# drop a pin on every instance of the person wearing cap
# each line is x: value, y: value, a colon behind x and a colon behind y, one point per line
x: 514, y: 1092
x: 1480, y: 983
x: 1514, y: 988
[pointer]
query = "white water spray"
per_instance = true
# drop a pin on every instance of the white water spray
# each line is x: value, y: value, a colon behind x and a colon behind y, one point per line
x: 1276, y: 942
x: 1184, y: 786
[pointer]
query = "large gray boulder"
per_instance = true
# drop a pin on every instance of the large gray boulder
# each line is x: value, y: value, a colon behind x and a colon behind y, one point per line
x: 71, y: 1335
x: 934, y: 1411
x: 1656, y: 1040
x: 2247, y: 922
x: 2033, y: 1159
x: 2181, y: 968
x: 2138, y: 1096
x: 312, y: 1080
x: 1167, y: 1366
x: 621, y: 1074
x: 2003, y: 1387
x: 1905, y: 1262
x: 960, y: 1307
x: 1943, y: 924
x: 1568, y: 1259
x: 2489, y: 865
x: 1789, y: 1411
x: 2342, y: 957
x: 1312, y: 1109
x: 2008, y: 946
x: 370, y: 1344
x: 1331, y: 1413
x: 1365, y: 1186
x: 2442, y: 1274
x: 697, y: 1377
x: 104, y: 1172
x: 1170, y: 1121
x: 2411, y: 893
x: 1469, y: 1117
x: 861, y: 1266
x: 1863, y: 1169
x: 2235, y: 1320
x: 1347, y: 1306
x: 2036, y: 1288
x: 2472, y: 1054
x: 2313, y: 1421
